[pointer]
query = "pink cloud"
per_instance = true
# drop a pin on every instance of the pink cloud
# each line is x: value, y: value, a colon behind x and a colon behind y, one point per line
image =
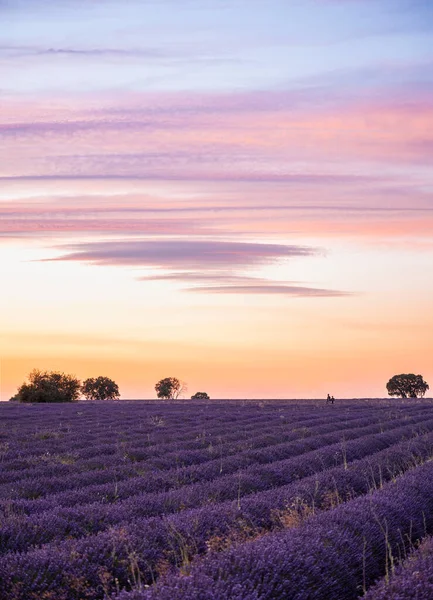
x: 272, y: 288
x: 12, y: 227
x: 182, y: 253
x: 211, y: 266
x: 244, y: 136
x: 324, y: 207
x: 246, y: 163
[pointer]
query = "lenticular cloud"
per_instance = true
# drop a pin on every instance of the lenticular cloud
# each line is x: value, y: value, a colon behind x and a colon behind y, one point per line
x: 181, y: 254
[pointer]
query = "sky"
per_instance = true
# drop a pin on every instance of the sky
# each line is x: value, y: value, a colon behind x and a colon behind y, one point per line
x: 236, y: 193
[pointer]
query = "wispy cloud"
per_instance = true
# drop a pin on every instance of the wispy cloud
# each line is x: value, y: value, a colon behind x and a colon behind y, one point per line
x: 219, y: 263
x: 241, y: 209
x: 244, y: 137
x: 17, y: 51
x: 203, y: 175
x: 148, y: 56
x: 12, y: 227
x: 183, y: 254
x: 225, y: 277
x: 273, y: 288
x: 224, y: 282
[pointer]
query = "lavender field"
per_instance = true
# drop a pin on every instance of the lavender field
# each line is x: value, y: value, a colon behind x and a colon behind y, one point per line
x: 213, y: 500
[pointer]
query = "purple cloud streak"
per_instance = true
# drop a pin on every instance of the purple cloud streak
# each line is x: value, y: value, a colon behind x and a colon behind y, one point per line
x: 183, y: 254
x: 216, y: 259
x: 272, y: 288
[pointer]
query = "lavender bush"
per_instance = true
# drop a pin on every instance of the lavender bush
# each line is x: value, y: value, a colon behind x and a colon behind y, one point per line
x: 413, y: 580
x: 97, y: 501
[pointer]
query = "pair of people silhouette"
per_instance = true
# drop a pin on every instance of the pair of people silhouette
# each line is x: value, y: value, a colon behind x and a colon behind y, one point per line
x: 330, y: 399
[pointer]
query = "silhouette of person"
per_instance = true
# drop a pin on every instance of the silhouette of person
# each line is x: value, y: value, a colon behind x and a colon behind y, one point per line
x: 328, y: 399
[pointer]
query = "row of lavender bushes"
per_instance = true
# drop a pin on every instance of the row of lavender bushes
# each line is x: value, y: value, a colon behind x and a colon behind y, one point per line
x: 50, y: 478
x: 411, y: 580
x: 19, y: 531
x: 336, y: 554
x: 137, y: 553
x: 72, y: 492
x: 92, y: 447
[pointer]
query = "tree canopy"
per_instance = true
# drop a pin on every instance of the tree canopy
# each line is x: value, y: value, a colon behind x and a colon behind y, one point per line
x: 200, y: 396
x: 170, y: 388
x: 100, y: 388
x: 407, y: 385
x: 48, y: 386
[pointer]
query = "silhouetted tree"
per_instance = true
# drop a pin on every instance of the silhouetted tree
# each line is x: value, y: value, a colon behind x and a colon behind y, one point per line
x: 48, y: 386
x: 407, y: 385
x: 200, y: 396
x: 170, y: 388
x: 101, y: 388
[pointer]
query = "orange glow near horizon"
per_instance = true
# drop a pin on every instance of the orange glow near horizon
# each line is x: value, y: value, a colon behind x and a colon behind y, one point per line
x: 227, y: 345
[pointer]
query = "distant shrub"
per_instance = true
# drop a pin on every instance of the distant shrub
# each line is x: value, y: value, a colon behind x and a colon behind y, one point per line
x: 101, y: 388
x: 407, y: 385
x: 200, y: 396
x: 48, y: 386
x: 170, y: 388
